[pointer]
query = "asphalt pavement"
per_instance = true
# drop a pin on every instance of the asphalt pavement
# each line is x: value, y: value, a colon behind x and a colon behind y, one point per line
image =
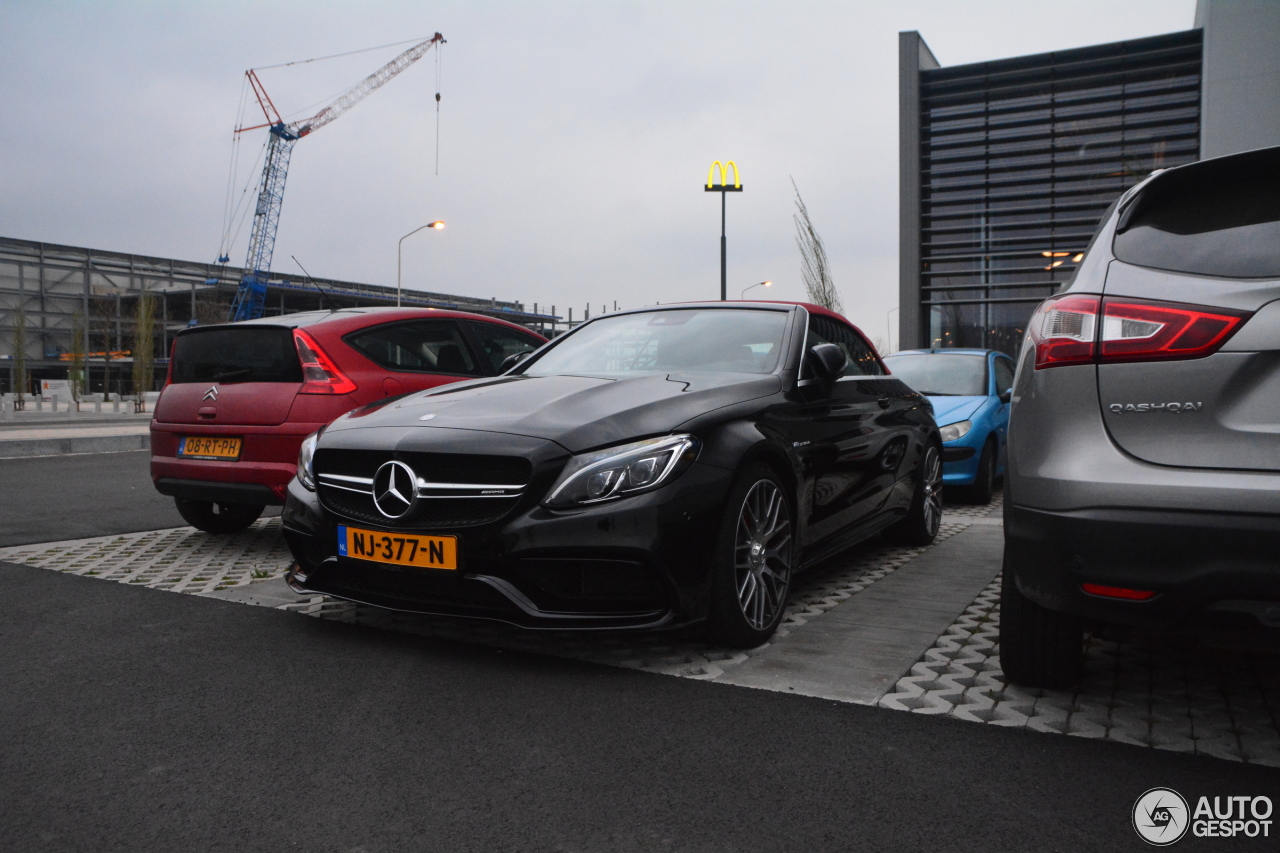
x: 92, y: 494
x: 140, y: 720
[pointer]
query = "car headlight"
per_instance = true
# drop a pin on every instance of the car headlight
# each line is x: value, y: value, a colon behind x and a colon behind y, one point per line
x: 616, y: 472
x: 951, y: 432
x: 306, y: 455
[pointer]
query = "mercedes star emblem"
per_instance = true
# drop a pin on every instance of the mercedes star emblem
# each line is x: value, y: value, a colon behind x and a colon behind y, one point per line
x: 395, y: 488
x: 212, y: 393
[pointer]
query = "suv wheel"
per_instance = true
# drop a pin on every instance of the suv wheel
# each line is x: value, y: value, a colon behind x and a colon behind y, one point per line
x: 1038, y: 647
x: 755, y: 553
x: 212, y: 517
x: 924, y: 518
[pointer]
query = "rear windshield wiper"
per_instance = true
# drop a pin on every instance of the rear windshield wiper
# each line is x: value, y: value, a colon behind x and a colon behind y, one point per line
x: 231, y: 374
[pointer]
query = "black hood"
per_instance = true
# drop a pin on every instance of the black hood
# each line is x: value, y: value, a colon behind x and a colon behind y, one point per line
x: 577, y: 412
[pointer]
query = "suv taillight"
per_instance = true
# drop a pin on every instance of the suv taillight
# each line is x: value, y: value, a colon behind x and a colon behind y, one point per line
x: 1065, y: 330
x: 1140, y: 330
x: 319, y: 374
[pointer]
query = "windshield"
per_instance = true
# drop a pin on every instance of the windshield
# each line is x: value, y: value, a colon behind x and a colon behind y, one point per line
x: 725, y: 340
x: 942, y: 374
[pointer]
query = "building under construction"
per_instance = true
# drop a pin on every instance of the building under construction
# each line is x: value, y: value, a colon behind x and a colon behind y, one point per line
x: 57, y: 292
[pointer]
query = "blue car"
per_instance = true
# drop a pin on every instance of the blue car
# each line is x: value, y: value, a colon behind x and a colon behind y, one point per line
x: 969, y: 389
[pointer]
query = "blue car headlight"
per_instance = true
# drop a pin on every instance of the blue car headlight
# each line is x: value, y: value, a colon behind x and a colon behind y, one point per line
x: 951, y: 432
x: 617, y: 472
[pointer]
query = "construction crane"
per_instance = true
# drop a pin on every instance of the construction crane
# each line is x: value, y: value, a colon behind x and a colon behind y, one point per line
x: 251, y: 296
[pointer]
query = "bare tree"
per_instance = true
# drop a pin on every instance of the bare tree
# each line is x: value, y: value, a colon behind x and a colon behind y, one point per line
x: 211, y: 306
x: 20, y: 353
x: 102, y: 324
x: 814, y: 268
x: 76, y: 373
x: 144, y: 343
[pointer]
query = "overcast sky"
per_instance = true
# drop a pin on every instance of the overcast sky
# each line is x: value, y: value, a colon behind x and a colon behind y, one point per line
x: 574, y: 137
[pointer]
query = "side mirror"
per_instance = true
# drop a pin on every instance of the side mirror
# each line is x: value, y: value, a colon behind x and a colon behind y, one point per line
x: 512, y: 360
x: 828, y: 361
x: 1006, y: 396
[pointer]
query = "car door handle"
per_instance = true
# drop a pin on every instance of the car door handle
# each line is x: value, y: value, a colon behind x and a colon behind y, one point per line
x: 883, y: 402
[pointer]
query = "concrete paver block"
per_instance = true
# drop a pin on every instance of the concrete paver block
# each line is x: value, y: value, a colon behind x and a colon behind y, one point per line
x: 937, y: 702
x: 1220, y: 746
x: 1048, y: 718
x: 1082, y: 726
x: 976, y: 707
x: 1130, y: 730
x: 1174, y: 736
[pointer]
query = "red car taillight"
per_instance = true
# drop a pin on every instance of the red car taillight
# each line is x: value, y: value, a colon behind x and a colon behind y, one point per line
x: 168, y: 374
x: 1066, y: 330
x: 319, y: 374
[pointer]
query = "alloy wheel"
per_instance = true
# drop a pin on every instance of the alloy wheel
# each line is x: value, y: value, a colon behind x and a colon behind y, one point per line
x: 762, y: 554
x: 932, y: 485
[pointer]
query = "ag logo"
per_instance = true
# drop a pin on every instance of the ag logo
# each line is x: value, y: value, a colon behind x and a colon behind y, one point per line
x: 1160, y: 816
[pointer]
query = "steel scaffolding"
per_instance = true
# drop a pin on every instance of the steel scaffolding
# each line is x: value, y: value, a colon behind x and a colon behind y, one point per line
x: 51, y: 282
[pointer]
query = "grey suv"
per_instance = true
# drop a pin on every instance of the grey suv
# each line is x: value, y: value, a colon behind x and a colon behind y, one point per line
x: 1143, y: 473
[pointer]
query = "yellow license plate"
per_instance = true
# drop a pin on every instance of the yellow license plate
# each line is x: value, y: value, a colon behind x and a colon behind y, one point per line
x: 399, y: 549
x: 209, y: 447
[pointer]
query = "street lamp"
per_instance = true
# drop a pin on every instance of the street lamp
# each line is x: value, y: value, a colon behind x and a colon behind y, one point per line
x: 437, y: 225
x: 758, y: 284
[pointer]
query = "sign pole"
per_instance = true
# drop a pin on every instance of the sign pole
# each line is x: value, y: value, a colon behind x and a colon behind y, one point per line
x: 724, y: 275
x: 722, y: 172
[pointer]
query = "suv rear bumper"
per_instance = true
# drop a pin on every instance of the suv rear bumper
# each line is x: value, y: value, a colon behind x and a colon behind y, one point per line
x: 1191, y: 560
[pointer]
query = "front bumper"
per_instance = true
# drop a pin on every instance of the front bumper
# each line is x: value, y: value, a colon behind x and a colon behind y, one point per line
x: 639, y: 562
x: 959, y: 462
x: 1195, y: 562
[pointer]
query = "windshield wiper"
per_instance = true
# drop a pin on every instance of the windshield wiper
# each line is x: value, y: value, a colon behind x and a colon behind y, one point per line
x: 940, y: 394
x: 231, y: 374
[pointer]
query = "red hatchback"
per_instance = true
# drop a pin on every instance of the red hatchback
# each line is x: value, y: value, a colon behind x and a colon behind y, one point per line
x: 240, y: 398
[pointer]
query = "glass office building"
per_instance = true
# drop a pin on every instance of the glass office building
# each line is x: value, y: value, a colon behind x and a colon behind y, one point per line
x: 1007, y: 167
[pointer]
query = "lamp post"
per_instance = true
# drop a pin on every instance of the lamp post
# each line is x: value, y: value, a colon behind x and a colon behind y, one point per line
x: 437, y: 225
x: 889, y: 326
x: 757, y: 284
x: 722, y: 188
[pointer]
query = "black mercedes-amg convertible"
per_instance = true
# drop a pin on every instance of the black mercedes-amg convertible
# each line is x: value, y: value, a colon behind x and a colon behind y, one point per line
x: 657, y: 467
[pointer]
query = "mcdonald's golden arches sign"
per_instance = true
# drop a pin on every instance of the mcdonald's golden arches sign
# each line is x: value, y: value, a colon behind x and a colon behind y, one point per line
x: 721, y: 171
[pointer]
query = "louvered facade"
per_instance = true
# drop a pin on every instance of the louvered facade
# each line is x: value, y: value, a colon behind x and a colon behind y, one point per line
x: 1015, y: 163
